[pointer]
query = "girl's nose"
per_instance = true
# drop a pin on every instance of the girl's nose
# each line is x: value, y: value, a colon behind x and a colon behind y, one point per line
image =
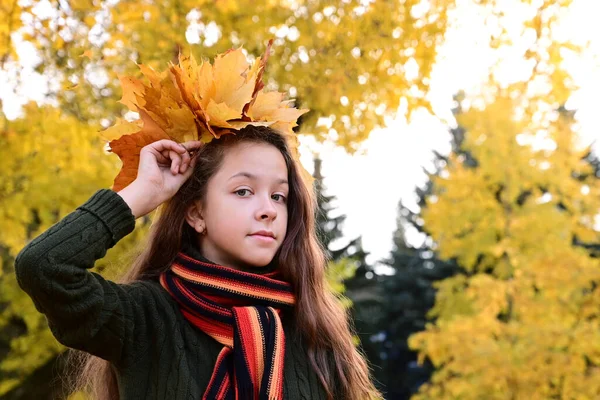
x: 267, y: 210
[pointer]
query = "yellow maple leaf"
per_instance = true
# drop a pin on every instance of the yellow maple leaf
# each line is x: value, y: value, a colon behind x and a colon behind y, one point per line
x: 220, y: 113
x: 120, y: 128
x: 231, y: 85
x: 131, y: 89
x: 264, y: 105
x: 181, y: 124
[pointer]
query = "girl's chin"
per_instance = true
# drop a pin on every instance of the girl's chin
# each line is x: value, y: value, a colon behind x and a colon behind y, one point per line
x: 258, y: 261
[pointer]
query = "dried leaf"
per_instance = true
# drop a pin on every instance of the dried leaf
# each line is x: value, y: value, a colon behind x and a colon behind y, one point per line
x: 231, y: 86
x: 128, y: 148
x: 220, y: 113
x: 197, y: 102
x: 237, y: 125
x: 264, y: 105
x: 131, y: 89
x: 121, y: 127
x: 182, y: 126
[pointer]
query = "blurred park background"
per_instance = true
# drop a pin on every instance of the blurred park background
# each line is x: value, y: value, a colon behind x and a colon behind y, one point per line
x: 453, y: 146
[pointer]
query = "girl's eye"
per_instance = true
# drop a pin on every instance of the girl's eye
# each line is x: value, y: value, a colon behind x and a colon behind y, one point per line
x: 282, y: 197
x: 242, y: 190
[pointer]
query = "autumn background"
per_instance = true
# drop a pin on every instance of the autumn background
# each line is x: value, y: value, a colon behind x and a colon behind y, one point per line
x: 484, y: 282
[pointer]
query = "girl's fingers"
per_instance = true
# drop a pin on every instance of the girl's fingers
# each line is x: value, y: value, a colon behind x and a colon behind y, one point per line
x: 177, y: 156
x: 189, y: 168
x: 163, y: 157
x: 175, y: 162
x: 161, y: 148
x: 191, y: 147
x: 185, y: 162
x: 167, y: 144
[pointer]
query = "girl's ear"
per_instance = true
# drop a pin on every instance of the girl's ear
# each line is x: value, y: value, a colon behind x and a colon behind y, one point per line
x: 193, y: 216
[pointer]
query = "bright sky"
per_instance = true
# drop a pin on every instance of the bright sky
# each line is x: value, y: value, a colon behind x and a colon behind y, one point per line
x: 368, y: 187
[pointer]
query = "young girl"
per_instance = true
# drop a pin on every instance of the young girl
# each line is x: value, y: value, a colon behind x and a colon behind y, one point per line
x: 229, y: 298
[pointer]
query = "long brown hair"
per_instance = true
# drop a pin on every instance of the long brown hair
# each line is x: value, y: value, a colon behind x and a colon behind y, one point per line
x: 324, y: 323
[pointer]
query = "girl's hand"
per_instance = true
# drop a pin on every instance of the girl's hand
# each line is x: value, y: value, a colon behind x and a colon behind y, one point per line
x: 164, y: 166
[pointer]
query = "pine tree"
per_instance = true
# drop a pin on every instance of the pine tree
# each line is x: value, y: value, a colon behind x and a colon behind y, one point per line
x: 409, y: 293
x: 344, y: 260
x: 329, y: 227
x: 388, y: 309
x: 349, y: 272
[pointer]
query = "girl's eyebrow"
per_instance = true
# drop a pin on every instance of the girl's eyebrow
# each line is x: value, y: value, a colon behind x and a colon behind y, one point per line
x: 254, y: 177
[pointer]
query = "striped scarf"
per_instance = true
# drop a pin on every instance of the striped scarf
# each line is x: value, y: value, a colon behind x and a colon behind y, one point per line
x: 240, y: 310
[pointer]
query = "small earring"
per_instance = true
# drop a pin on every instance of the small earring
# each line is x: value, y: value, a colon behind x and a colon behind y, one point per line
x: 202, y: 230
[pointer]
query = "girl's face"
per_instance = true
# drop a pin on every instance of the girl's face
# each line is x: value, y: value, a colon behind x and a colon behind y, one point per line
x: 247, y: 195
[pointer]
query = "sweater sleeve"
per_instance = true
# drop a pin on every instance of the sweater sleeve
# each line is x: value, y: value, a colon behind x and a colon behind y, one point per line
x: 84, y: 311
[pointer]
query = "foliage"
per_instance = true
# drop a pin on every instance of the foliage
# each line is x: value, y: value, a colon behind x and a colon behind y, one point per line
x: 55, y: 164
x: 387, y: 50
x: 521, y: 320
x: 512, y: 209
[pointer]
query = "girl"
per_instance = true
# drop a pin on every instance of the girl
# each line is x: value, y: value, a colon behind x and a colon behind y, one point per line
x: 228, y: 300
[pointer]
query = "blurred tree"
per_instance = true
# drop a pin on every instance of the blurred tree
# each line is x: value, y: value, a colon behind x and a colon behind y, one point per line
x: 410, y: 295
x: 53, y: 163
x: 387, y: 50
x: 594, y: 246
x: 520, y: 321
x: 349, y: 272
x: 344, y: 260
x: 389, y: 308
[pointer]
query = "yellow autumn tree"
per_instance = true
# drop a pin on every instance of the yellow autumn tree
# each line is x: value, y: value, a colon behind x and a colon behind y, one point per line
x: 521, y: 320
x: 52, y: 163
x: 369, y: 55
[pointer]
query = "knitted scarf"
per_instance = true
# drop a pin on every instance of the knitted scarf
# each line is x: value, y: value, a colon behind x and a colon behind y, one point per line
x: 240, y: 310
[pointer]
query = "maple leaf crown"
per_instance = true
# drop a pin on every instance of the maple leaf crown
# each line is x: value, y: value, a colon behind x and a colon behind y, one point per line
x: 192, y: 101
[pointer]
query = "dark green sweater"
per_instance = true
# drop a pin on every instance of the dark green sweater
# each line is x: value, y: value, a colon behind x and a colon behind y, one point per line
x: 138, y: 327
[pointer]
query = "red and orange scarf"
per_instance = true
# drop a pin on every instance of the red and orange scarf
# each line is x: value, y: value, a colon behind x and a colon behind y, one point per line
x: 240, y: 310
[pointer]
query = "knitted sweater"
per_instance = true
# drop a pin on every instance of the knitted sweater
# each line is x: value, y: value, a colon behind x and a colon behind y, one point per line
x: 155, y: 352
